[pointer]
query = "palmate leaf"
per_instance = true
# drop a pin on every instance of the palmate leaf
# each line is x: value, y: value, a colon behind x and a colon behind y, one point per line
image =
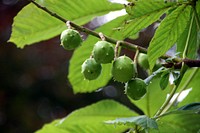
x: 190, y: 38
x: 142, y: 14
x: 79, y: 84
x: 168, y: 32
x: 142, y: 121
x: 91, y: 119
x: 33, y: 25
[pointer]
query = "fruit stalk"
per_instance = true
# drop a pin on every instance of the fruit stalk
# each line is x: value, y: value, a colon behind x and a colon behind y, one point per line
x: 102, y: 36
x: 117, y: 49
x: 68, y: 25
x: 135, y: 62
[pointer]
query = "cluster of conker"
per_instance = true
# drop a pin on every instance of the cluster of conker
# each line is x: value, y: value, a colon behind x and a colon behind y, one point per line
x: 103, y: 52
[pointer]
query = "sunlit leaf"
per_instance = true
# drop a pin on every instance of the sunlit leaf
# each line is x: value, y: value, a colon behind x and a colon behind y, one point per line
x: 51, y: 128
x: 133, y: 26
x: 168, y: 32
x: 91, y: 119
x: 142, y: 14
x: 80, y: 11
x: 32, y: 24
x: 146, y: 7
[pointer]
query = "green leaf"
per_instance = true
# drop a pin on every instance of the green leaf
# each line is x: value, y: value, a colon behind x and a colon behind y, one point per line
x: 133, y: 26
x: 75, y: 76
x: 80, y: 11
x: 190, y: 80
x: 189, y: 39
x: 179, y: 122
x: 198, y: 7
x: 153, y: 99
x: 32, y: 24
x: 142, y: 14
x: 197, y: 18
x: 52, y: 128
x: 91, y: 119
x: 164, y: 81
x: 142, y: 121
x: 147, y: 7
x: 168, y: 32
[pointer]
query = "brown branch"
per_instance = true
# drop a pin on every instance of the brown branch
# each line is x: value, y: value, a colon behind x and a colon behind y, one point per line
x: 178, y: 61
x: 188, y: 62
x: 192, y: 63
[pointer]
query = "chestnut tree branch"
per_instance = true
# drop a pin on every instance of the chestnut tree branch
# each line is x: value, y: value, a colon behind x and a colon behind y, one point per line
x: 91, y: 32
x: 125, y: 44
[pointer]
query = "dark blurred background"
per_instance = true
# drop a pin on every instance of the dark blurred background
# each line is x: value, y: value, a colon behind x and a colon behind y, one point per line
x: 34, y: 89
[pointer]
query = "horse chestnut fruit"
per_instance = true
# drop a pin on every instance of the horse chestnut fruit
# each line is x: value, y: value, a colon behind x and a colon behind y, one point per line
x: 123, y: 69
x: 70, y: 39
x: 135, y: 88
x: 143, y: 60
x: 91, y: 69
x: 103, y: 52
